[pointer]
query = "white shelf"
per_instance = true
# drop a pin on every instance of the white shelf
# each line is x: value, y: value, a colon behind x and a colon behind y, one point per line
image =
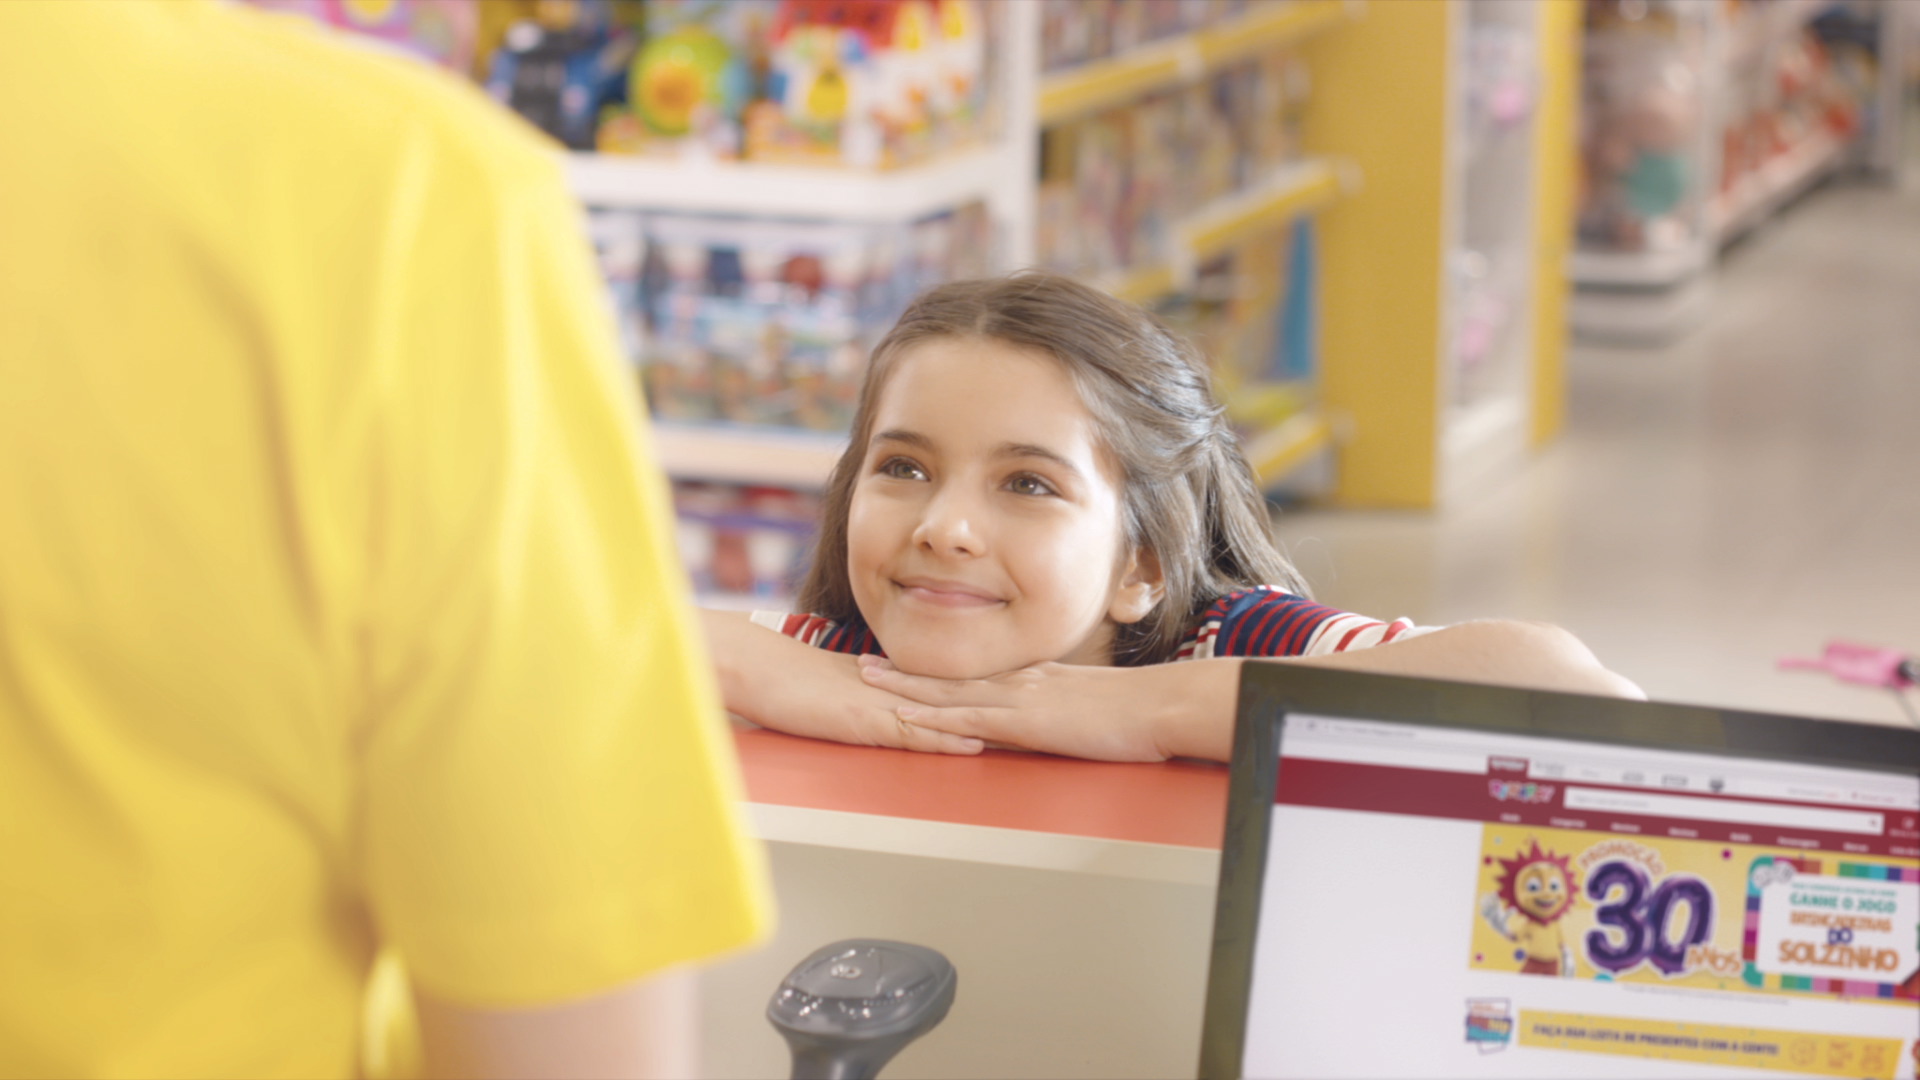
x: 736, y: 454
x: 1765, y: 189
x: 1639, y: 269
x: 845, y: 194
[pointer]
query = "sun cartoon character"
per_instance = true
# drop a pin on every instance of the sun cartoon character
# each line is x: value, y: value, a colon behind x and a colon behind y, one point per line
x: 1536, y: 891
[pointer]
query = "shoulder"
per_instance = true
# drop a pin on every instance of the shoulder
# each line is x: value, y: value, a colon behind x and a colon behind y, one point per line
x: 851, y: 636
x: 1269, y: 621
x: 302, y: 121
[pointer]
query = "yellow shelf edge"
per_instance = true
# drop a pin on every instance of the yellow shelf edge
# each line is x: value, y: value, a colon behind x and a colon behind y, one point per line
x: 1297, y: 189
x: 1261, y: 30
x: 1284, y: 447
x: 1229, y: 222
x: 1097, y: 84
x: 1140, y: 286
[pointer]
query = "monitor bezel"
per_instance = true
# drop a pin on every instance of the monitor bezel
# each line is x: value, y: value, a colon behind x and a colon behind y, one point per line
x: 1270, y: 691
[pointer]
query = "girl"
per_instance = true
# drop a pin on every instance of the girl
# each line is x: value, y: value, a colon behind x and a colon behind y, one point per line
x: 1040, y: 507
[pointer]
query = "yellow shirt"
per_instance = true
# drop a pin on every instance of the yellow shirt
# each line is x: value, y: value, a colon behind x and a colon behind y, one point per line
x: 338, y: 608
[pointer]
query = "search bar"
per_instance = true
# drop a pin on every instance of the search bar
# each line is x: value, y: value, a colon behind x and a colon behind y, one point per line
x: 1731, y: 810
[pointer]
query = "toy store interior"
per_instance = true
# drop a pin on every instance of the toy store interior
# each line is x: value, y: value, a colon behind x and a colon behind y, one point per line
x: 1636, y: 366
x: 1596, y: 313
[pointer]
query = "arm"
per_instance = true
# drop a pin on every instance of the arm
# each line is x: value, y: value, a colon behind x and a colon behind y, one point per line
x: 1186, y: 709
x: 646, y: 1029
x: 790, y: 686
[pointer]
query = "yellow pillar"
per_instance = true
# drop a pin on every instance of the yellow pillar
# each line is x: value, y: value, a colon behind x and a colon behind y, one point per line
x: 1382, y: 99
x: 1556, y: 185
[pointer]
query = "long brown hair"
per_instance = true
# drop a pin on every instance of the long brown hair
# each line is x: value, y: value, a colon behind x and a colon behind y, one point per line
x: 1187, y: 493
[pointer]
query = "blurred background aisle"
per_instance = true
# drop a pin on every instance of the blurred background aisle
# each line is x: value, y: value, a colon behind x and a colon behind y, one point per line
x: 1744, y: 493
x: 1597, y: 312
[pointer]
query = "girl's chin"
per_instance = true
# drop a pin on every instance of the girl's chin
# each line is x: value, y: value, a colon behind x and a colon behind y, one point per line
x: 950, y: 663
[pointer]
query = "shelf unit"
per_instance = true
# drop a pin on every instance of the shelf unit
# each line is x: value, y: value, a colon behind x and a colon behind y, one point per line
x: 1390, y: 97
x: 1100, y: 84
x: 741, y: 454
x: 722, y: 187
x: 1232, y: 221
x: 1382, y: 172
x: 1299, y: 188
x: 1773, y: 185
x: 1653, y: 294
x: 1000, y: 173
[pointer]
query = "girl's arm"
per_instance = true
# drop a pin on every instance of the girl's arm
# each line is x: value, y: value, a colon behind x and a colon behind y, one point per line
x: 1186, y: 708
x: 789, y: 686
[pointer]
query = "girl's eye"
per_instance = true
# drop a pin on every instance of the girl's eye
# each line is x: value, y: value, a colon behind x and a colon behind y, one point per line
x: 1029, y: 484
x: 901, y: 469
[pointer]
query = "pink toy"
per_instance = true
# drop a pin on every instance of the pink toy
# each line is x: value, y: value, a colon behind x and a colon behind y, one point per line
x: 1864, y: 664
x: 1889, y: 669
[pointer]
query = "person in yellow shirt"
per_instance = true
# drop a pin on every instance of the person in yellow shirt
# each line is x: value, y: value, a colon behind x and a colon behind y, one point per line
x: 338, y: 606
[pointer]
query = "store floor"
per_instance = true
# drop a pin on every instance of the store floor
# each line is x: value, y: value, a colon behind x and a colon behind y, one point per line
x: 1748, y: 492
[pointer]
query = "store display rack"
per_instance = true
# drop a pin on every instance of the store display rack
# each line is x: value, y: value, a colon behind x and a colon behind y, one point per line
x: 1101, y: 84
x: 1765, y: 190
x: 1299, y: 188
x: 1466, y: 186
x: 1653, y: 293
x: 743, y: 454
x: 768, y: 190
x: 1371, y: 64
x: 1254, y: 215
x: 1000, y: 174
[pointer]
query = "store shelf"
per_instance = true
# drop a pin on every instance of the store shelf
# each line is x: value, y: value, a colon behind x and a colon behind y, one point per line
x: 1639, y: 269
x: 1768, y: 26
x: 1286, y: 446
x: 1100, y: 84
x: 734, y: 454
x: 762, y: 190
x: 1774, y: 184
x: 1228, y: 222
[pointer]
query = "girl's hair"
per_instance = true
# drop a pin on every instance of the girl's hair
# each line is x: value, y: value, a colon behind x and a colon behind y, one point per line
x: 1187, y: 493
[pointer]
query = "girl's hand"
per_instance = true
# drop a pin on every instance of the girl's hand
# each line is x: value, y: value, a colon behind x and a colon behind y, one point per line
x: 828, y: 700
x: 781, y: 684
x: 1104, y: 713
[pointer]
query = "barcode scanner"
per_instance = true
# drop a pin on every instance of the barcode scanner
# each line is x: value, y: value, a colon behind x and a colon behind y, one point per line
x: 847, y: 1009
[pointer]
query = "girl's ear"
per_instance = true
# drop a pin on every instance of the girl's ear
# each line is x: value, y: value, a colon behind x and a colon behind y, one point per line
x: 1139, y: 589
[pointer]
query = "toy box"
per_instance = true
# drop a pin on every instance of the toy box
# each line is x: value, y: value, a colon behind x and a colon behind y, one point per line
x: 746, y: 546
x: 769, y: 322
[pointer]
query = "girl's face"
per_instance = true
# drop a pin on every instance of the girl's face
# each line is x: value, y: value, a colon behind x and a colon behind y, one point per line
x: 985, y: 528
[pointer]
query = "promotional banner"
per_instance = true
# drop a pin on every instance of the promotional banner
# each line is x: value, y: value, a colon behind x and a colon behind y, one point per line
x: 1624, y: 908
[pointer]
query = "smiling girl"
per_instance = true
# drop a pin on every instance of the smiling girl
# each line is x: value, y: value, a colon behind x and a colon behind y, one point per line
x: 1042, y: 506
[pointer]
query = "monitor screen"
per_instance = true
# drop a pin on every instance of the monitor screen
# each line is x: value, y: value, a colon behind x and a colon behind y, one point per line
x: 1515, y: 905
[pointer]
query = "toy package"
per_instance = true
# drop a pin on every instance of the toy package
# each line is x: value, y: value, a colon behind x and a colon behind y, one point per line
x: 620, y: 244
x: 881, y: 83
x: 562, y: 63
x: 1115, y: 185
x: 769, y: 322
x: 746, y: 546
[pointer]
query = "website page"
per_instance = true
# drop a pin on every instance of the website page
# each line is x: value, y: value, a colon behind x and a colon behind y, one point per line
x: 1509, y: 906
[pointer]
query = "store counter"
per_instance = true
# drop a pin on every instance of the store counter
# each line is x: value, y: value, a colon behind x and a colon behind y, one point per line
x: 1075, y: 898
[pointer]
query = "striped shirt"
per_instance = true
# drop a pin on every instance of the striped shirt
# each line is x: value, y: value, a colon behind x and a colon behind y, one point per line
x: 1261, y: 621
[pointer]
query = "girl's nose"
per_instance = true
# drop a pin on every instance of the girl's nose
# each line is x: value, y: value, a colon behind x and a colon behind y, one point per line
x: 950, y: 527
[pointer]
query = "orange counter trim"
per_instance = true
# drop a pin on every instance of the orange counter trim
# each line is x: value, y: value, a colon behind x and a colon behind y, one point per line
x: 1177, y: 802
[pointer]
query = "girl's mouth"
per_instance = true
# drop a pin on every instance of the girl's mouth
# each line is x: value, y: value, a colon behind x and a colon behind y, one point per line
x: 945, y: 594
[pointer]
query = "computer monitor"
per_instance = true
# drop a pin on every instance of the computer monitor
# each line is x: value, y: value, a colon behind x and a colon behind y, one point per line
x: 1430, y: 879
